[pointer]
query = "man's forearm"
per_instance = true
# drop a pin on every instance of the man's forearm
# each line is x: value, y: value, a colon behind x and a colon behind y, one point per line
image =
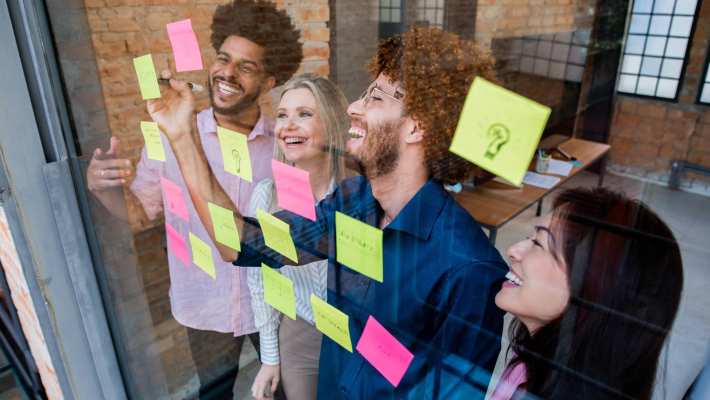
x: 204, y: 188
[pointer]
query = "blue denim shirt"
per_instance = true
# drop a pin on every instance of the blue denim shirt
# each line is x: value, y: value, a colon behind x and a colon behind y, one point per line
x: 441, y: 275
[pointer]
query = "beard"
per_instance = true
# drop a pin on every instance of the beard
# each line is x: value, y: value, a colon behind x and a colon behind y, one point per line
x: 380, y: 150
x: 246, y: 101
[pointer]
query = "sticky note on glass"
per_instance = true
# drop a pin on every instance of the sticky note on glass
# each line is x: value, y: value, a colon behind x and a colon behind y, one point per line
x: 153, y: 141
x: 277, y: 234
x: 499, y: 130
x: 358, y: 246
x: 185, y: 47
x: 384, y: 352
x: 332, y: 322
x: 174, y: 198
x: 202, y: 255
x: 147, y: 79
x: 278, y: 291
x: 176, y: 245
x: 235, y: 153
x: 293, y: 190
x: 225, y: 229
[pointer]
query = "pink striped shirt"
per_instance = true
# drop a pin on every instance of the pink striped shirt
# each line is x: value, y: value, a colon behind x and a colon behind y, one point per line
x: 198, y: 301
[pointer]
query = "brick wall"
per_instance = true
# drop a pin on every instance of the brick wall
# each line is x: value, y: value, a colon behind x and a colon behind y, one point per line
x: 647, y: 134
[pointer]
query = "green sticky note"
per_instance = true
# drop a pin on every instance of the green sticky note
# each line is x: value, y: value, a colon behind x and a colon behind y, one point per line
x: 359, y: 246
x: 147, y: 79
x: 225, y: 229
x: 278, y: 291
x: 499, y: 130
x: 235, y: 153
x: 332, y: 322
x: 153, y: 141
x: 202, y: 255
x: 277, y: 234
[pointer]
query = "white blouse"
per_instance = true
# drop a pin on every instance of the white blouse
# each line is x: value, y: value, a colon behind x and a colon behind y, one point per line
x: 307, y: 279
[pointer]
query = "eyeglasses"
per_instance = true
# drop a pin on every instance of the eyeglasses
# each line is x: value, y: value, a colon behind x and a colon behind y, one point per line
x: 375, y: 93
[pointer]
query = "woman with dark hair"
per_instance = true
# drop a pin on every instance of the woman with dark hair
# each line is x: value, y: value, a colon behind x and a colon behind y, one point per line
x: 594, y: 293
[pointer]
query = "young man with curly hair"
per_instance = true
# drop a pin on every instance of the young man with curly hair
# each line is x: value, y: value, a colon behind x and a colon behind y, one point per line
x: 257, y: 48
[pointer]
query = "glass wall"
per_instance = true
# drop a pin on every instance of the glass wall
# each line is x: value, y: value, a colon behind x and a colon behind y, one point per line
x: 180, y: 325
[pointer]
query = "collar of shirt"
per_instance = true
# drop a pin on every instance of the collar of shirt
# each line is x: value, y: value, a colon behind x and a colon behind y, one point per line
x: 207, y: 123
x: 419, y: 215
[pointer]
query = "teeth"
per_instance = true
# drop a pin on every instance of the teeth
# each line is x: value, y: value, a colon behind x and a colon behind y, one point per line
x: 294, y: 140
x: 513, y: 278
x: 227, y: 89
x: 356, y: 133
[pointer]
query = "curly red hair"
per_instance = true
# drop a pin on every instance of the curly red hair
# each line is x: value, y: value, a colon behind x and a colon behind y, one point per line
x: 436, y: 68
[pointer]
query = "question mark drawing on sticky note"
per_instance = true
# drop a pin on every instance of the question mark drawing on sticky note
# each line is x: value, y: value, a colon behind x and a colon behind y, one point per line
x: 237, y: 160
x: 499, y: 134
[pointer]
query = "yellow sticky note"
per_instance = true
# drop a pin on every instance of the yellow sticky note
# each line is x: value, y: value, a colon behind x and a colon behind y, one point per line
x: 202, y: 255
x: 277, y: 234
x: 332, y: 322
x: 153, y: 141
x: 278, y: 291
x: 147, y: 79
x: 359, y: 246
x: 225, y: 229
x: 235, y: 153
x: 499, y: 130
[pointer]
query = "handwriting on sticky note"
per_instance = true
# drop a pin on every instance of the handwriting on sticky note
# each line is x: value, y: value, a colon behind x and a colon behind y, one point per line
x: 235, y: 153
x: 153, y: 142
x: 359, y: 246
x: 277, y: 234
x: 202, y: 255
x: 185, y: 47
x: 174, y: 198
x: 176, y: 245
x: 225, y: 229
x: 147, y: 79
x: 332, y: 322
x: 384, y: 352
x: 293, y: 190
x: 278, y: 291
x: 499, y: 130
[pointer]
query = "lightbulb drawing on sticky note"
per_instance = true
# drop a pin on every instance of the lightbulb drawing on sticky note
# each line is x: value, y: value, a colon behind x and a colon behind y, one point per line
x: 235, y: 153
x: 499, y: 130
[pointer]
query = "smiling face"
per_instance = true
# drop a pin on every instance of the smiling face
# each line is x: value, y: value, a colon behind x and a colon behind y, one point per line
x: 375, y: 135
x: 237, y: 77
x: 536, y: 290
x: 298, y: 128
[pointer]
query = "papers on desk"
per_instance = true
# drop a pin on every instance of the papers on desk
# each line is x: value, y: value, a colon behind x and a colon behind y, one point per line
x: 558, y: 167
x: 543, y: 181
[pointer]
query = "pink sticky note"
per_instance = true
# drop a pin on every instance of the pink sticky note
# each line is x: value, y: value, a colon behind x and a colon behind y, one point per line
x: 185, y: 46
x: 176, y: 244
x: 293, y: 190
x: 174, y: 198
x: 384, y: 351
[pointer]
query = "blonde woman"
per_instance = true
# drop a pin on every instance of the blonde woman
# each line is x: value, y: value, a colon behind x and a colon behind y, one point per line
x: 311, y: 126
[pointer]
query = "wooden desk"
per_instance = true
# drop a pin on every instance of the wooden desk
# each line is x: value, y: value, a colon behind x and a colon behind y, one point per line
x: 493, y: 204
